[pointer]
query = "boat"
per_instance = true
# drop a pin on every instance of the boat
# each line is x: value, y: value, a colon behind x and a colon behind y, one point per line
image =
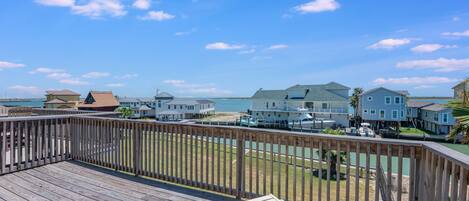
x: 248, y: 121
x: 365, y: 130
x: 306, y: 121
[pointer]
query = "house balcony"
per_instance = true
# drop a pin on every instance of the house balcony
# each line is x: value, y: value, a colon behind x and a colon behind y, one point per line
x: 98, y: 157
x: 333, y: 110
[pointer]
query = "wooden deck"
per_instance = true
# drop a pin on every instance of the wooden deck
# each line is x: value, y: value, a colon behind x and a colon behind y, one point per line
x: 72, y: 180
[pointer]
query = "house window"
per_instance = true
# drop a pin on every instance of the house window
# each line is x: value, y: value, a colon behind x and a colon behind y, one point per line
x: 426, y: 114
x: 159, y: 104
x: 267, y: 105
x: 324, y: 106
x: 387, y: 100
x: 397, y: 100
x: 394, y: 114
x: 372, y: 112
x: 273, y: 104
x: 435, y: 117
x: 180, y: 107
x: 169, y: 107
x: 445, y: 117
x: 381, y: 114
x: 365, y: 111
x: 370, y: 98
x: 175, y: 106
x: 402, y: 113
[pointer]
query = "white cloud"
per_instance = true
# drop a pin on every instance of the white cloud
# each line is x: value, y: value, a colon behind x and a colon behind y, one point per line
x: 157, y: 16
x: 222, y: 46
x: 142, y: 4
x: 457, y: 34
x: 74, y: 82
x: 390, y: 43
x: 8, y: 65
x: 196, y: 89
x: 115, y: 85
x: 185, y: 33
x: 277, y: 47
x: 92, y: 8
x: 29, y: 90
x: 46, y: 70
x: 98, y: 8
x: 95, y: 75
x: 250, y: 51
x: 60, y: 3
x: 318, y: 6
x: 59, y: 76
x: 439, y: 65
x: 425, y: 48
x: 414, y: 80
x: 424, y: 86
x: 174, y: 82
x: 127, y: 76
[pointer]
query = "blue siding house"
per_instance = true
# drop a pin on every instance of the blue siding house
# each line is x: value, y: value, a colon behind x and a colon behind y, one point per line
x: 383, y: 107
x: 437, y: 118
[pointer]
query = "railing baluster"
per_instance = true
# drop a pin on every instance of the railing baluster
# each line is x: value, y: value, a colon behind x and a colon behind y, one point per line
x: 399, y: 173
x: 377, y: 169
x: 462, y: 183
x: 389, y: 173
x: 357, y: 171
x: 328, y: 172
x: 320, y: 171
x: 454, y: 182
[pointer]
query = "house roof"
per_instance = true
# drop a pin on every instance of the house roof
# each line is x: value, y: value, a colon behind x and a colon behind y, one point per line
x: 127, y: 99
x: 164, y: 95
x: 418, y: 104
x: 330, y: 86
x: 465, y: 81
x: 435, y: 107
x: 320, y: 94
x: 144, y: 107
x: 101, y: 99
x: 55, y: 101
x: 270, y: 94
x: 64, y: 92
x: 401, y: 92
x: 188, y: 102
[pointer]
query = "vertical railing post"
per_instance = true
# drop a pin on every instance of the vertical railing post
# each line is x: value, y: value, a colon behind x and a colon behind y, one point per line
x: 239, y: 163
x: 136, y: 151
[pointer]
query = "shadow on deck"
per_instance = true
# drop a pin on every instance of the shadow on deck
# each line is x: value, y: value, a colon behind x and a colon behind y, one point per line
x: 72, y: 180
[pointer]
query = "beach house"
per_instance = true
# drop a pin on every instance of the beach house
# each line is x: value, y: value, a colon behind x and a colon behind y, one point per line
x: 169, y: 108
x: 61, y: 99
x: 141, y: 107
x: 99, y: 101
x: 437, y: 118
x: 461, y: 90
x: 382, y: 107
x: 320, y: 101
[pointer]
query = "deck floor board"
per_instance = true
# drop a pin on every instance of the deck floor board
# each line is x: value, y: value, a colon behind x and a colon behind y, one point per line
x: 71, y: 180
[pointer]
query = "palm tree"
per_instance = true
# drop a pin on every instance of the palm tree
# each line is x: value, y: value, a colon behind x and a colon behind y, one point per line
x: 126, y: 112
x: 461, y: 114
x: 355, y: 100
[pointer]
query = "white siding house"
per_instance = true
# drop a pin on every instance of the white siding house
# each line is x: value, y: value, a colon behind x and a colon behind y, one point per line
x: 142, y: 107
x: 179, y: 109
x: 322, y: 101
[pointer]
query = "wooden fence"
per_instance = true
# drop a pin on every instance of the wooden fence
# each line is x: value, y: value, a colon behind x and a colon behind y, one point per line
x: 242, y: 162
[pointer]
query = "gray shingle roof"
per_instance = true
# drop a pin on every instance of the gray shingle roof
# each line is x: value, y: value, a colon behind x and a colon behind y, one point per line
x: 270, y: 94
x: 417, y: 104
x: 188, y: 102
x: 320, y: 94
x: 164, y: 95
x: 401, y: 92
x: 435, y: 107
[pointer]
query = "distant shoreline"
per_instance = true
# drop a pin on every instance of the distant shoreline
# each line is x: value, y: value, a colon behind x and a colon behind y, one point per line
x: 431, y: 97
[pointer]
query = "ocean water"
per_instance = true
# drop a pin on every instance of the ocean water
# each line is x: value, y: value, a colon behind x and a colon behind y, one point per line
x: 232, y: 104
x: 32, y: 103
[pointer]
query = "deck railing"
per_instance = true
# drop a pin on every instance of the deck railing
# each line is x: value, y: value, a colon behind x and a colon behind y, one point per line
x: 242, y: 162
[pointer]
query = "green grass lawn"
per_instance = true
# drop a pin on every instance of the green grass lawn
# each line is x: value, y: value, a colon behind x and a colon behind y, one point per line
x: 412, y: 131
x: 463, y: 148
x: 262, y: 169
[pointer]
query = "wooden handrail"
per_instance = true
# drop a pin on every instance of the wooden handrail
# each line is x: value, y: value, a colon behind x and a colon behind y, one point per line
x: 239, y: 161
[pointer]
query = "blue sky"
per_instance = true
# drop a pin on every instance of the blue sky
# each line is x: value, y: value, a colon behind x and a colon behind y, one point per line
x: 212, y: 48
